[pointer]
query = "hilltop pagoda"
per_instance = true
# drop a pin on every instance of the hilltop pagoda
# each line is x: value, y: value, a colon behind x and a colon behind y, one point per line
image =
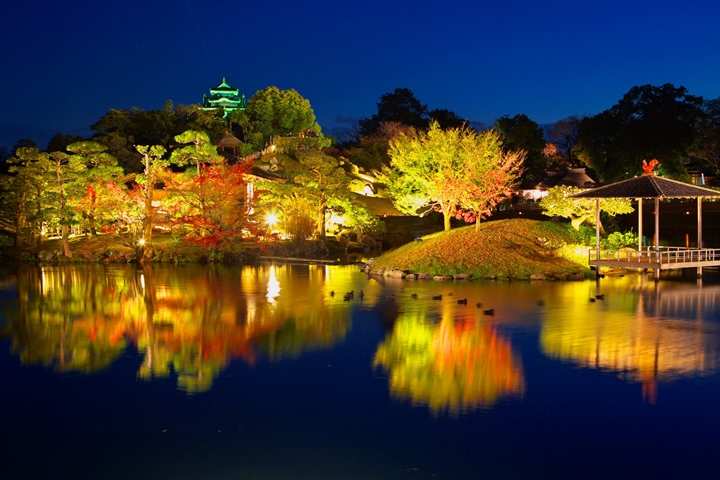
x: 224, y: 96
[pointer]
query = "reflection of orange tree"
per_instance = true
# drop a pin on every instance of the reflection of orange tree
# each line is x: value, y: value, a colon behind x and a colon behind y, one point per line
x: 455, y: 366
x: 193, y: 323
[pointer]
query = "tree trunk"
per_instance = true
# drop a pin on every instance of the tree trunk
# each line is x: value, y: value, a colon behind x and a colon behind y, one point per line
x: 446, y: 221
x: 477, y: 224
x: 66, y: 240
x: 149, y: 213
x: 321, y: 218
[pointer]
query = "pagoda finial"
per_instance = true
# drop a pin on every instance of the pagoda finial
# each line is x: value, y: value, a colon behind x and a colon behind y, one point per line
x: 649, y: 166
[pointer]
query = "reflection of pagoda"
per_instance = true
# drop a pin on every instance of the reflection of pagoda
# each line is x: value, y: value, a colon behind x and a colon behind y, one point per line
x: 224, y: 96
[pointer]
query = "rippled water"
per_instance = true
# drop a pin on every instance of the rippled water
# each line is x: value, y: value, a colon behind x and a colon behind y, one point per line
x: 270, y: 372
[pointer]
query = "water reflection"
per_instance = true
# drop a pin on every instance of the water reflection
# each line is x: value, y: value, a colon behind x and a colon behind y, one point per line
x: 191, y: 321
x: 455, y: 365
x: 638, y: 330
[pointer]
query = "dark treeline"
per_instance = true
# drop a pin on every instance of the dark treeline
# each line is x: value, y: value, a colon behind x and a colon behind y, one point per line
x: 667, y: 123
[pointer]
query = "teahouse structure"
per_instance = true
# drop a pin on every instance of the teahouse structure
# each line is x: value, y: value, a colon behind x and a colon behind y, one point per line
x: 227, y: 142
x: 652, y: 257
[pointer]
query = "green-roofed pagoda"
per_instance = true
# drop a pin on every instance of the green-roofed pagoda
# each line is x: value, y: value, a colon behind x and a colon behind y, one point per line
x: 224, y: 96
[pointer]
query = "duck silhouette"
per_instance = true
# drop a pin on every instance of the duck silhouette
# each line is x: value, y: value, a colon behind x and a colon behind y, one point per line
x: 414, y: 295
x: 437, y: 297
x: 462, y: 302
x: 490, y: 311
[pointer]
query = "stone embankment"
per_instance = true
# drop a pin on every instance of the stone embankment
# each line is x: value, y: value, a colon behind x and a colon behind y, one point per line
x: 369, y: 269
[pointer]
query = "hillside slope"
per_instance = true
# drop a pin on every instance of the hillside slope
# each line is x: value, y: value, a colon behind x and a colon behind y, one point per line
x: 516, y: 248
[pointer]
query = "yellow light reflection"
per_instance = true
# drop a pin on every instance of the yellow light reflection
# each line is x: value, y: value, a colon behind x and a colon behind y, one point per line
x: 273, y: 286
x: 641, y: 336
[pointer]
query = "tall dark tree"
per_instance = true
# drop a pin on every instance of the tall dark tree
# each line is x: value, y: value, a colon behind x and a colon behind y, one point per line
x: 447, y: 118
x: 60, y: 142
x: 24, y: 143
x: 707, y: 150
x: 648, y: 122
x: 121, y: 130
x: 371, y: 151
x: 563, y: 134
x: 522, y: 133
x: 398, y: 106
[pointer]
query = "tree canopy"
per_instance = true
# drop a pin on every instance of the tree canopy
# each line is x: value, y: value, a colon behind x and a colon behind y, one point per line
x: 522, y: 133
x: 457, y: 171
x: 272, y: 111
x: 648, y: 122
x: 402, y: 107
x: 558, y: 202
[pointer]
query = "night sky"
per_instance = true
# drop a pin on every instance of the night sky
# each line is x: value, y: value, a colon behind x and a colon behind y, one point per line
x: 66, y: 63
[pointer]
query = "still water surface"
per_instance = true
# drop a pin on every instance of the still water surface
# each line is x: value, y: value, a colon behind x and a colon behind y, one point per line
x: 202, y: 372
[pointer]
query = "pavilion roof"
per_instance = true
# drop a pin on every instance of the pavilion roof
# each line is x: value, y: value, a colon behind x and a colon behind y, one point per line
x: 227, y: 139
x: 576, y: 177
x: 648, y: 186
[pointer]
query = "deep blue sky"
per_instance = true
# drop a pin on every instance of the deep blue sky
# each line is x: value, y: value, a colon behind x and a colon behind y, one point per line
x: 66, y: 63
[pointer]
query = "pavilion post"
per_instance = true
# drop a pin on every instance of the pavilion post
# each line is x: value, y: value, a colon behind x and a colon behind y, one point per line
x: 699, y: 238
x: 657, y: 237
x: 640, y: 225
x: 597, y: 228
x: 699, y: 220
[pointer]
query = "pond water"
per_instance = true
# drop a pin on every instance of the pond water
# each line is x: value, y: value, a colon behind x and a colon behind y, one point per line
x: 203, y: 372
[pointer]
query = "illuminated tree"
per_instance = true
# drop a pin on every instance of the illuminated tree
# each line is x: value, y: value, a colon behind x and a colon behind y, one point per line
x: 154, y: 167
x: 272, y: 111
x: 198, y: 150
x: 23, y: 199
x: 558, y: 203
x: 316, y: 177
x: 65, y: 174
x: 449, y: 171
x: 102, y: 168
x: 211, y: 207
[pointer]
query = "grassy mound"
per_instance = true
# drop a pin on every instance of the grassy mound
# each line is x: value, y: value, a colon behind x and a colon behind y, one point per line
x: 516, y: 248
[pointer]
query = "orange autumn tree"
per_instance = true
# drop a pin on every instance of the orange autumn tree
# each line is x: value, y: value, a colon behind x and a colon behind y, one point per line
x: 211, y: 209
x: 455, y: 171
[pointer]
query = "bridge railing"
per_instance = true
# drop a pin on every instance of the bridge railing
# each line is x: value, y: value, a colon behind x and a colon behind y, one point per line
x: 651, y: 255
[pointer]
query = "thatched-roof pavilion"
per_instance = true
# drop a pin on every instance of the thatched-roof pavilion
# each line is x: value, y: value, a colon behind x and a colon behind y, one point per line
x: 657, y: 188
x: 228, y: 142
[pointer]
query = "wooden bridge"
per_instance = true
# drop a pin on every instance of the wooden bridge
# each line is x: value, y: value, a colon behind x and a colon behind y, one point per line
x: 660, y: 258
